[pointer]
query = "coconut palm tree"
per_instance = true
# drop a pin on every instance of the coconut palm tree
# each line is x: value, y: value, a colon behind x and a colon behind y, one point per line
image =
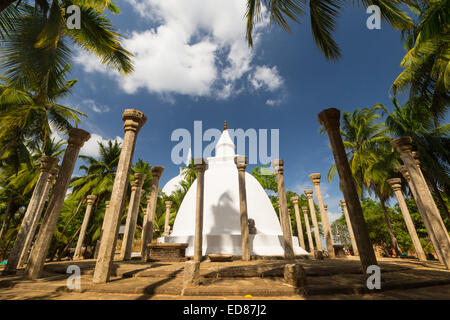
x: 323, y: 14
x: 426, y: 65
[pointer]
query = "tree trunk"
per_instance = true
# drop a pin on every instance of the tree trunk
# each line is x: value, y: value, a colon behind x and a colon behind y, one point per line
x: 391, y: 234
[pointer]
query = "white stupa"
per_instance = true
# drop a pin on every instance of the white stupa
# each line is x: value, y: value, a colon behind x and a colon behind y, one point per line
x: 221, y: 222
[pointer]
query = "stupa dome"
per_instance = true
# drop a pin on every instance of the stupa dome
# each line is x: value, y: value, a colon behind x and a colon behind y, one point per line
x: 221, y: 218
x: 174, y: 184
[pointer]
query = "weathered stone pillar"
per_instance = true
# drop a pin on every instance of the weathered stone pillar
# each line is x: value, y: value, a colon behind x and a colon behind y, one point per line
x: 150, y: 211
x: 350, y: 229
x: 241, y: 164
x: 312, y: 211
x: 133, y: 121
x: 90, y: 202
x: 132, y: 215
x: 77, y: 138
x: 278, y: 166
x: 308, y: 229
x: 396, y: 185
x: 200, y: 167
x: 299, y: 222
x: 32, y: 233
x: 167, y: 219
x: 329, y: 119
x: 40, y: 193
x: 315, y: 178
x: 290, y: 222
x: 97, y: 244
x: 424, y: 200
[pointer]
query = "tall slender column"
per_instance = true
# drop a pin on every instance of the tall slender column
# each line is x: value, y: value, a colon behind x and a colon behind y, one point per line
x: 25, y: 254
x: 278, y: 166
x: 396, y: 186
x: 90, y: 202
x: 77, y: 138
x: 299, y: 222
x: 290, y: 222
x: 312, y: 211
x: 350, y: 229
x: 40, y: 192
x: 133, y: 121
x: 166, y: 232
x: 150, y: 211
x: 405, y: 174
x: 308, y: 229
x: 315, y: 178
x: 241, y: 164
x: 329, y: 119
x: 99, y: 240
x: 132, y: 215
x: 425, y: 202
x: 200, y: 167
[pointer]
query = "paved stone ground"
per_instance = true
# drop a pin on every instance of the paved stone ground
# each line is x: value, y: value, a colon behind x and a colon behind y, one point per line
x: 262, y: 279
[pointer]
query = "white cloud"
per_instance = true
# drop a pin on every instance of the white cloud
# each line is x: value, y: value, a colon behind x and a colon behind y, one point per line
x: 95, y: 106
x: 196, y: 48
x: 90, y: 148
x: 267, y: 77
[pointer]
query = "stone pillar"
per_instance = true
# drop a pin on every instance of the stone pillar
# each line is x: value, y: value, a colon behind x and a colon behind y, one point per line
x: 241, y: 164
x: 77, y: 138
x: 166, y: 232
x: 90, y: 202
x: 278, y: 166
x: 290, y: 222
x: 424, y: 200
x: 31, y: 234
x: 132, y: 215
x: 97, y: 245
x: 39, y: 195
x: 396, y: 186
x: 133, y: 121
x: 350, y: 229
x: 329, y: 119
x: 308, y: 229
x: 299, y: 222
x: 200, y: 167
x: 312, y: 210
x: 315, y: 178
x: 150, y: 211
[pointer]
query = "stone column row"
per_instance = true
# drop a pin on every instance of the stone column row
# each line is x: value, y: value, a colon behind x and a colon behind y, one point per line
x: 424, y: 200
x: 133, y: 121
x: 278, y: 166
x: 90, y: 203
x: 308, y: 229
x: 150, y: 211
x: 299, y: 222
x: 350, y: 229
x: 396, y: 186
x: 315, y: 178
x: 132, y: 215
x: 312, y: 210
x: 77, y: 138
x: 33, y: 212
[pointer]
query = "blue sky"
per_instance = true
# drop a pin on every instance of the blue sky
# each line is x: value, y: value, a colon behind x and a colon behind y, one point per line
x: 192, y: 64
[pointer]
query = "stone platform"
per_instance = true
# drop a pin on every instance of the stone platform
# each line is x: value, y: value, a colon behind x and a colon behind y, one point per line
x: 326, y: 279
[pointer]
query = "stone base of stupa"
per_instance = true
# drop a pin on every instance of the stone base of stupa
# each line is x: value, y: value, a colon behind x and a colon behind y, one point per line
x: 260, y: 244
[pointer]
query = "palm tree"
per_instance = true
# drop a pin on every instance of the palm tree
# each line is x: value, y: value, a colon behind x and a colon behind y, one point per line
x: 427, y: 63
x: 416, y: 120
x: 323, y: 14
x: 367, y: 145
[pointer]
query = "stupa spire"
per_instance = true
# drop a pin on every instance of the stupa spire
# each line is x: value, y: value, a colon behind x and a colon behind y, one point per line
x: 225, y: 125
